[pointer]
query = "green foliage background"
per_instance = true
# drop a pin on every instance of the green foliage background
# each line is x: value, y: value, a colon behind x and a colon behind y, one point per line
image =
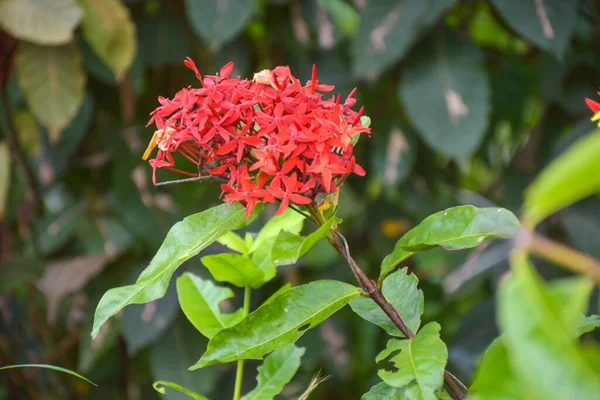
x: 468, y: 101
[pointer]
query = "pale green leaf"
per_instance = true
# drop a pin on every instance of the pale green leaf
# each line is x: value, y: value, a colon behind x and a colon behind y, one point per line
x: 400, y: 289
x: 569, y: 178
x: 199, y: 299
x: 289, y: 221
x: 456, y: 228
x: 47, y: 366
x: 233, y: 268
x: 159, y: 386
x: 587, y: 324
x: 275, y: 372
x: 53, y: 83
x: 453, y: 68
x: 185, y: 240
x: 421, y: 360
x: 42, y: 22
x: 279, y: 322
x: 108, y: 28
x: 383, y: 391
x: 4, y: 177
x: 233, y: 241
x: 541, y: 344
x: 344, y: 16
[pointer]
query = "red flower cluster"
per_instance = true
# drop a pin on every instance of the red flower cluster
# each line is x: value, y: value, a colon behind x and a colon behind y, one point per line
x: 269, y: 139
x: 595, y: 107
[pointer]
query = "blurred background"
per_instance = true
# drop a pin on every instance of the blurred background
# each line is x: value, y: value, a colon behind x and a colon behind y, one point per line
x: 468, y: 100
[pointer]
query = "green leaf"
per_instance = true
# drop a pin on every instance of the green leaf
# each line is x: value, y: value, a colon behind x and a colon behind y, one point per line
x: 548, y: 24
x: 421, y: 359
x: 536, y: 324
x: 108, y: 28
x: 4, y: 177
x: 400, y: 288
x: 53, y: 83
x: 587, y: 324
x: 234, y: 241
x: 279, y: 322
x: 569, y: 178
x: 453, y: 68
x: 495, y: 378
x: 47, y: 366
x: 199, y: 299
x: 275, y: 372
x: 344, y: 15
x: 289, y: 247
x: 383, y: 391
x: 388, y: 29
x: 456, y: 228
x: 163, y: 40
x: 159, y: 386
x: 233, y: 268
x: 289, y: 221
x: 40, y: 21
x: 185, y: 240
x: 218, y: 22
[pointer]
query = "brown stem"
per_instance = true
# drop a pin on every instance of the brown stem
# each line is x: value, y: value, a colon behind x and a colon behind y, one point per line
x: 338, y: 241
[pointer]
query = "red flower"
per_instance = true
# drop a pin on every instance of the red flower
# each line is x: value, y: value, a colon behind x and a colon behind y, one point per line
x: 595, y: 107
x: 271, y: 139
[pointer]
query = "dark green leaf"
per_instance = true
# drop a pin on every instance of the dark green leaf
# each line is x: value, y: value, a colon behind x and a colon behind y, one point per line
x: 55, y: 230
x: 47, y: 366
x: 40, y: 21
x: 233, y: 268
x: 548, y: 23
x: 159, y: 386
x: 275, y: 372
x: 19, y: 271
x: 570, y: 177
x: 421, y: 359
x: 218, y: 22
x: 400, y: 288
x: 279, y: 322
x: 581, y: 223
x: 51, y: 72
x: 537, y: 324
x: 200, y: 299
x: 456, y: 228
x: 344, y: 15
x: 162, y: 40
x: 453, y: 68
x: 185, y: 240
x: 388, y: 29
x: 108, y: 28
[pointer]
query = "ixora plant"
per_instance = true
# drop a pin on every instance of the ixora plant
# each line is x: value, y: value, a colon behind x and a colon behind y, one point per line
x: 272, y: 139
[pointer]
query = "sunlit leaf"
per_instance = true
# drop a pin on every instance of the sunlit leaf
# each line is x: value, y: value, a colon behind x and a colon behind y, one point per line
x: 47, y: 366
x: 53, y: 83
x: 108, y: 28
x: 233, y: 268
x: 570, y: 177
x: 421, y: 360
x: 289, y: 221
x: 185, y: 240
x: 279, y: 322
x: 383, y: 391
x: 40, y: 21
x: 456, y: 228
x: 200, y: 299
x: 275, y: 372
x: 234, y: 241
x: 400, y: 288
x: 160, y: 386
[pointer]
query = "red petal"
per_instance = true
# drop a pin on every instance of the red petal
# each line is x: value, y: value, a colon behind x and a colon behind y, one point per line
x: 593, y: 105
x: 226, y: 70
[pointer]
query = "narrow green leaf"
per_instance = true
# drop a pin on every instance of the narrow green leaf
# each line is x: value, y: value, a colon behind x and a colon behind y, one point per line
x: 199, y: 299
x: 275, y: 372
x: 40, y: 21
x: 4, y: 177
x: 234, y: 241
x: 421, y: 359
x: 454, y: 68
x: 108, y: 28
x: 400, y: 288
x: 289, y: 221
x: 279, y: 322
x: 159, y: 386
x: 289, y: 247
x: 185, y: 240
x: 233, y: 268
x: 53, y: 83
x: 569, y: 178
x: 456, y: 228
x: 548, y: 24
x: 535, y: 324
x: 47, y: 366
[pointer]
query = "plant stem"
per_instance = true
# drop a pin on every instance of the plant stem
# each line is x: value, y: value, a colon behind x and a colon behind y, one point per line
x: 239, y: 374
x: 338, y: 241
